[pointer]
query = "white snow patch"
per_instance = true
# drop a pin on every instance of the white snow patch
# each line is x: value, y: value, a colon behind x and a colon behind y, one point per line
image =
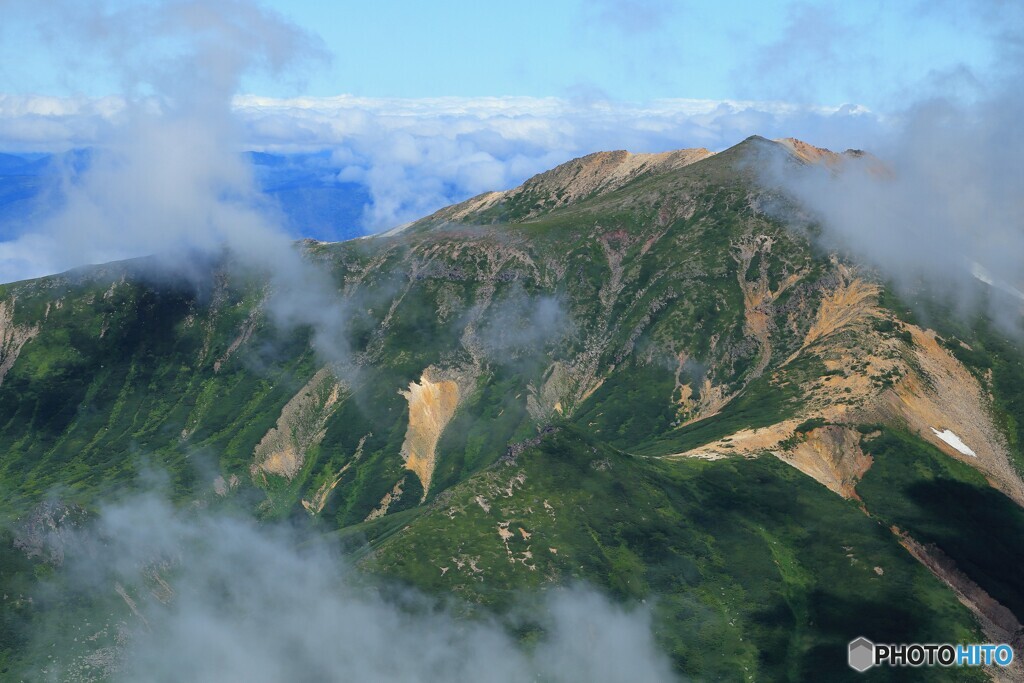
x: 954, y: 441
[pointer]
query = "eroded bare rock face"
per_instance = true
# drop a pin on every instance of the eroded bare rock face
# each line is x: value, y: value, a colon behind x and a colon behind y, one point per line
x: 999, y: 624
x: 12, y: 337
x: 929, y: 391
x: 315, y: 504
x: 301, y: 426
x: 389, y: 499
x: 432, y: 403
x: 832, y: 456
x: 809, y: 153
x: 943, y: 395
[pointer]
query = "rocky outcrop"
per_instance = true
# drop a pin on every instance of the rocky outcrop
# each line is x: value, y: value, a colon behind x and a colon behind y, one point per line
x: 46, y: 531
x: 810, y: 154
x: 997, y: 621
x: 831, y: 455
x: 301, y: 426
x: 834, y: 161
x: 12, y: 337
x: 244, y: 333
x: 390, y: 498
x: 316, y: 503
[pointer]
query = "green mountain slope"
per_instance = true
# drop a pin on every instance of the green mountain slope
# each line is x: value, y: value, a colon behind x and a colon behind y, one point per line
x: 632, y: 372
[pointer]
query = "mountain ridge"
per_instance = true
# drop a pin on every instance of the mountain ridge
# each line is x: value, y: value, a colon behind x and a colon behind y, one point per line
x: 598, y: 174
x: 657, y: 387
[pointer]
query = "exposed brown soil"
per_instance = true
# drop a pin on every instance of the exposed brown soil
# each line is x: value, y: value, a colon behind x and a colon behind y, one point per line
x: 832, y: 456
x: 852, y: 302
x: 871, y: 378
x: 432, y: 403
x: 938, y: 392
x: 745, y: 442
x: 758, y: 295
x: 709, y: 401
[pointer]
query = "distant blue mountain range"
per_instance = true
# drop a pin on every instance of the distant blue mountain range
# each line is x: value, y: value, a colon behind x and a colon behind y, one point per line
x: 23, y: 178
x: 313, y: 202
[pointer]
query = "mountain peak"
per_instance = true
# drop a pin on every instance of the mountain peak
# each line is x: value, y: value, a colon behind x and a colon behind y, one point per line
x: 600, y: 173
x: 603, y: 172
x: 573, y: 181
x: 809, y: 153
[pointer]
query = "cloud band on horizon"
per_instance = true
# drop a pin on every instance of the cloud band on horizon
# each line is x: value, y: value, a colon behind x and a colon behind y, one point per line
x: 415, y: 155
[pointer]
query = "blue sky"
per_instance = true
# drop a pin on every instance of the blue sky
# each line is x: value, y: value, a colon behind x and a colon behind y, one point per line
x: 865, y: 52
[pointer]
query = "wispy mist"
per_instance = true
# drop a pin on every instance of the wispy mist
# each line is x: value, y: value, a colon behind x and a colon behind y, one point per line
x: 168, y: 175
x: 941, y: 206
x: 214, y: 597
x: 519, y: 324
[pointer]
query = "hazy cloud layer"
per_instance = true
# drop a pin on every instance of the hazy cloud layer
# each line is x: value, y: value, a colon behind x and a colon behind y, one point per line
x: 264, y: 604
x: 166, y: 174
x: 518, y: 323
x: 814, y: 45
x: 947, y: 211
x: 165, y: 171
x: 417, y: 155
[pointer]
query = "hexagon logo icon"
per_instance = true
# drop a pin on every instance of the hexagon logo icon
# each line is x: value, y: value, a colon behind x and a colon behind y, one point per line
x: 862, y: 654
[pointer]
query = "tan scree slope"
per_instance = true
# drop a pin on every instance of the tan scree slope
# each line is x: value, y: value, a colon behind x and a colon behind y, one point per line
x: 930, y: 391
x: 943, y: 394
x: 432, y: 403
x: 301, y: 426
x: 832, y: 456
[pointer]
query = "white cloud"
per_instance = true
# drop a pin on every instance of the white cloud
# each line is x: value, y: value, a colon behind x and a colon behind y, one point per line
x: 248, y: 602
x: 950, y: 205
x: 417, y: 155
